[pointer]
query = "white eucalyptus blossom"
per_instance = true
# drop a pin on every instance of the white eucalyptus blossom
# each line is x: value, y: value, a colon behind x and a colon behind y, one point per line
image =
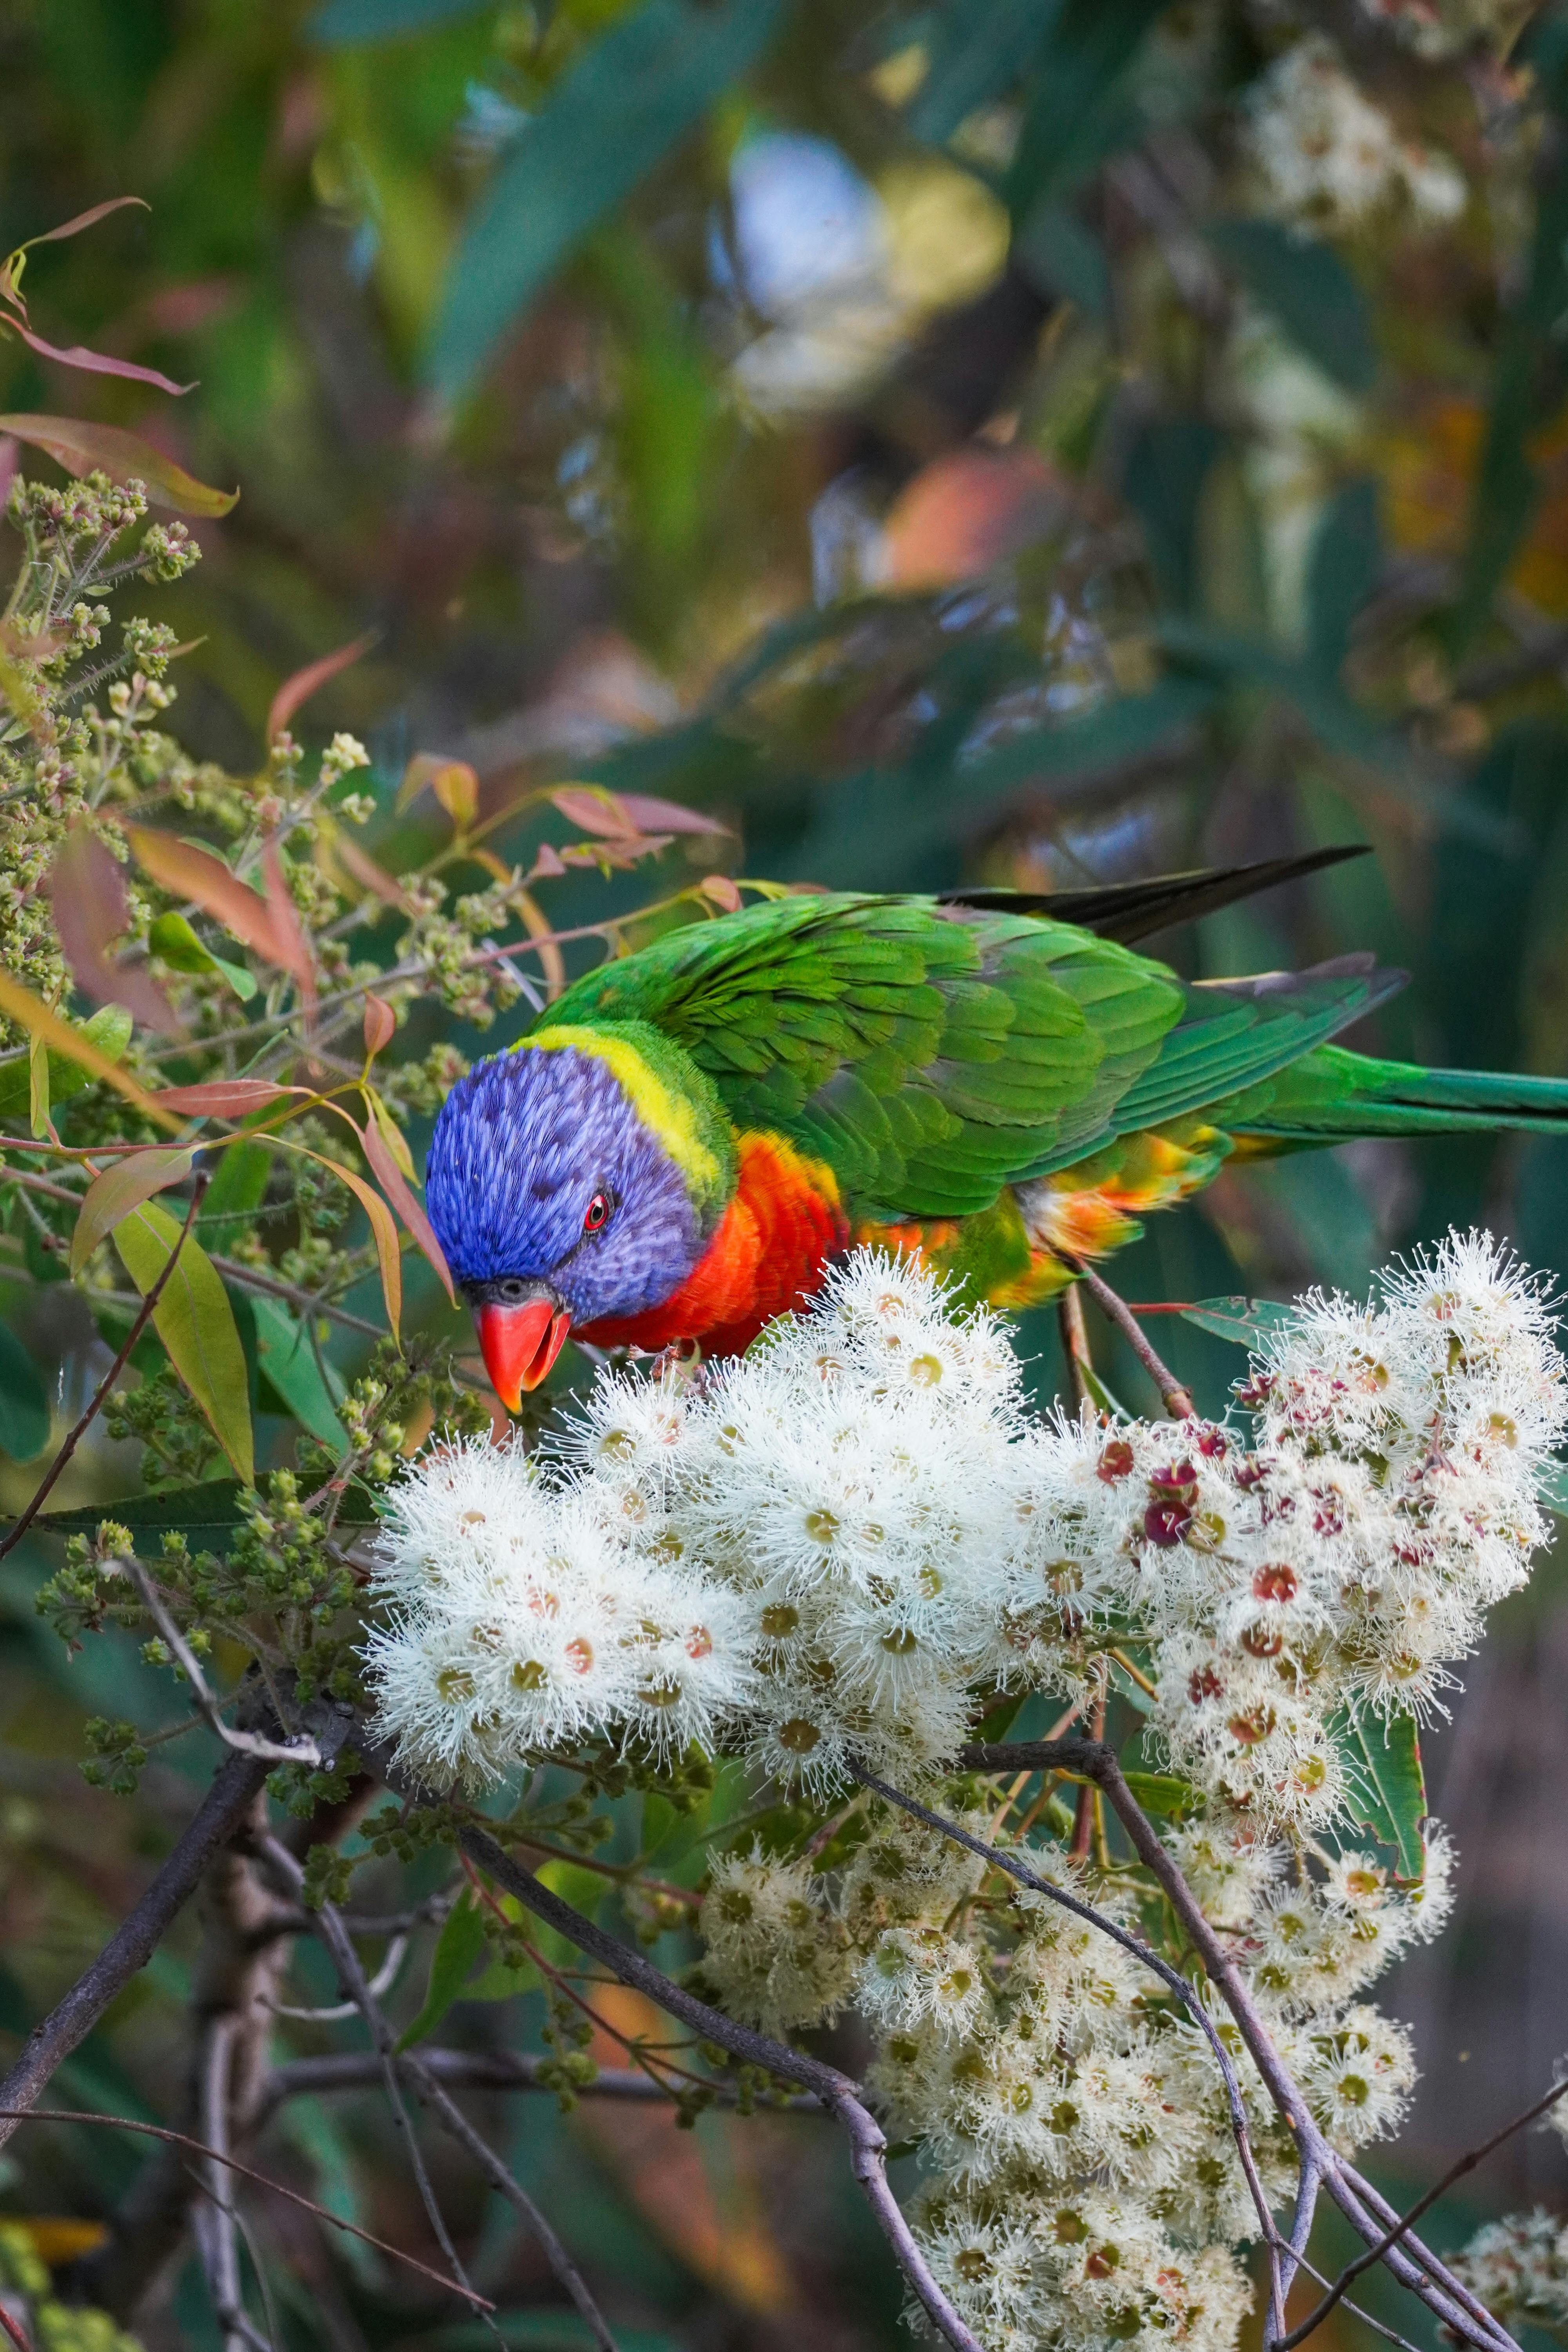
x: 1328, y: 157
x: 838, y: 1546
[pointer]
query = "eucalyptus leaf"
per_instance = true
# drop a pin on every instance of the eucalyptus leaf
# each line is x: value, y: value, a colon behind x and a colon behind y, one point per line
x: 1386, y: 1788
x: 196, y: 1322
x: 285, y: 1355
x: 457, y: 1948
x: 345, y: 23
x: 1249, y: 1321
x: 615, y: 114
x: 24, y: 1401
x: 1303, y: 284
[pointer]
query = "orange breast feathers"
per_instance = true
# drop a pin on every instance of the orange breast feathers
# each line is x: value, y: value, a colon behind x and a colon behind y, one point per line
x: 769, y: 1255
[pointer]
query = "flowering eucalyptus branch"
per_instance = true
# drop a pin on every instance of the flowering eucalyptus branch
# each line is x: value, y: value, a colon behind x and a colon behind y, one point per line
x: 1436, y: 2286
x: 302, y: 1750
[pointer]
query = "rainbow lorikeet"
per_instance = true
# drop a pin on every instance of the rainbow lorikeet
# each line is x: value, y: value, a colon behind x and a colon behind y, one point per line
x: 682, y: 1141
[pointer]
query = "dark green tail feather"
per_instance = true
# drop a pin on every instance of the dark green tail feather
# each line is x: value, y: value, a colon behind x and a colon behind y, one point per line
x: 1332, y: 1096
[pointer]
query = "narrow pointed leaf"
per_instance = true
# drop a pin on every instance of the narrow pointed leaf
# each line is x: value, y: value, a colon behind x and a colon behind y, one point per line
x: 1247, y: 1321
x: 304, y: 682
x: 80, y: 446
x: 89, y: 219
x: 289, y: 1362
x: 196, y: 1322
x: 382, y: 1229
x: 226, y: 1098
x: 77, y: 355
x: 121, y: 1189
x: 293, y: 948
x: 1385, y: 1788
x: 391, y: 1178
x: 87, y: 891
x: 24, y: 1401
x: 187, y: 869
x: 457, y: 1948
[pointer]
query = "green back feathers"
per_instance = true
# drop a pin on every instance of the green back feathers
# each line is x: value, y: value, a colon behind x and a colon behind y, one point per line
x: 933, y: 1056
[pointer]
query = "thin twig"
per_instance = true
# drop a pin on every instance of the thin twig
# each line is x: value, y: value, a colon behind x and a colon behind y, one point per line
x: 1075, y: 1343
x: 382, y: 1981
x: 218, y: 2236
x: 247, y: 2172
x: 1177, y: 1400
x: 490, y: 2070
x: 352, y: 1978
x: 1457, y: 2171
x: 131, y: 1946
x: 14, y: 2329
x: 302, y: 1750
x: 139, y: 1325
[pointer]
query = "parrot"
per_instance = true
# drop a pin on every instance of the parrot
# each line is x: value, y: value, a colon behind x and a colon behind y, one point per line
x: 996, y: 1083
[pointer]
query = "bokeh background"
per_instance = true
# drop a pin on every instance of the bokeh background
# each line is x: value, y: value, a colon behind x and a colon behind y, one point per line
x: 994, y: 440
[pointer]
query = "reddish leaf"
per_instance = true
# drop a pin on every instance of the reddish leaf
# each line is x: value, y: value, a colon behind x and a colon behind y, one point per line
x: 90, y: 910
x: 448, y: 779
x: 79, y: 221
x: 79, y: 447
x: 225, y: 1097
x: 722, y: 891
x: 95, y: 363
x: 380, y: 1024
x: 368, y: 874
x: 304, y: 683
x: 191, y: 872
x: 595, y: 809
x: 392, y: 1182
x: 113, y: 1194
x: 7, y: 467
x: 384, y: 1231
x: 457, y: 787
x: 547, y: 866
x: 293, y: 948
x: 651, y: 815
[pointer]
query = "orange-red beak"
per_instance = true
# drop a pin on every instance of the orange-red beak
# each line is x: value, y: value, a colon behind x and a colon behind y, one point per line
x: 520, y: 1344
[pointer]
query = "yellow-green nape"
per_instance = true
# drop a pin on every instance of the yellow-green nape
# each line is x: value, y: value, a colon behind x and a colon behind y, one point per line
x: 675, y: 1101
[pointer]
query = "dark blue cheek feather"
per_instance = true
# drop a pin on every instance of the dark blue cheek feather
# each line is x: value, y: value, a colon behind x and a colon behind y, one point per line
x: 522, y: 1145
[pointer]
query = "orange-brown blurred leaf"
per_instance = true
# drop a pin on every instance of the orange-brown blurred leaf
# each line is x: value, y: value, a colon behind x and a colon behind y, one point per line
x: 651, y: 815
x: 453, y: 782
x: 78, y: 221
x: 225, y: 1097
x: 304, y: 683
x: 967, y: 511
x: 383, y: 1231
x: 79, y: 447
x: 189, y: 871
x: 595, y: 809
x: 77, y: 355
x: 293, y: 948
x: 552, y: 961
x: 371, y: 876
x: 91, y: 909
x: 722, y: 892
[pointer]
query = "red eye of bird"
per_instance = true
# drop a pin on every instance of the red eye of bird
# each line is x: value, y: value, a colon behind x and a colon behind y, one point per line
x: 597, y: 1213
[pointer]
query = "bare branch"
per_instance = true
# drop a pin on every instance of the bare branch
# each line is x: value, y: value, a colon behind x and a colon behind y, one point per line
x: 1177, y: 1400
x: 302, y: 1750
x: 95, y: 1404
x: 486, y: 2070
x: 131, y: 1946
x: 247, y: 2172
x: 354, y: 1983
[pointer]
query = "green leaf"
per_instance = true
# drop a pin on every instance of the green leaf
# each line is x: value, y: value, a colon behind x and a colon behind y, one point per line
x: 1055, y: 249
x: 975, y: 56
x: 1347, y: 563
x: 1307, y: 288
x: 24, y: 1401
x: 641, y: 88
x: 457, y: 1947
x: 173, y: 939
x: 286, y: 1356
x: 1166, y: 471
x: 108, y: 1030
x: 1076, y: 113
x: 1385, y: 1788
x: 1101, y: 1397
x: 196, y: 1322
x: 1247, y: 1321
x: 343, y: 23
x: 234, y: 1193
x: 1165, y: 1795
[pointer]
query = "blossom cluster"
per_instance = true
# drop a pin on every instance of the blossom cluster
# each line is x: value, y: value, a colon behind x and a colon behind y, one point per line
x: 851, y: 1541
x: 1519, y: 2268
x: 1327, y: 156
